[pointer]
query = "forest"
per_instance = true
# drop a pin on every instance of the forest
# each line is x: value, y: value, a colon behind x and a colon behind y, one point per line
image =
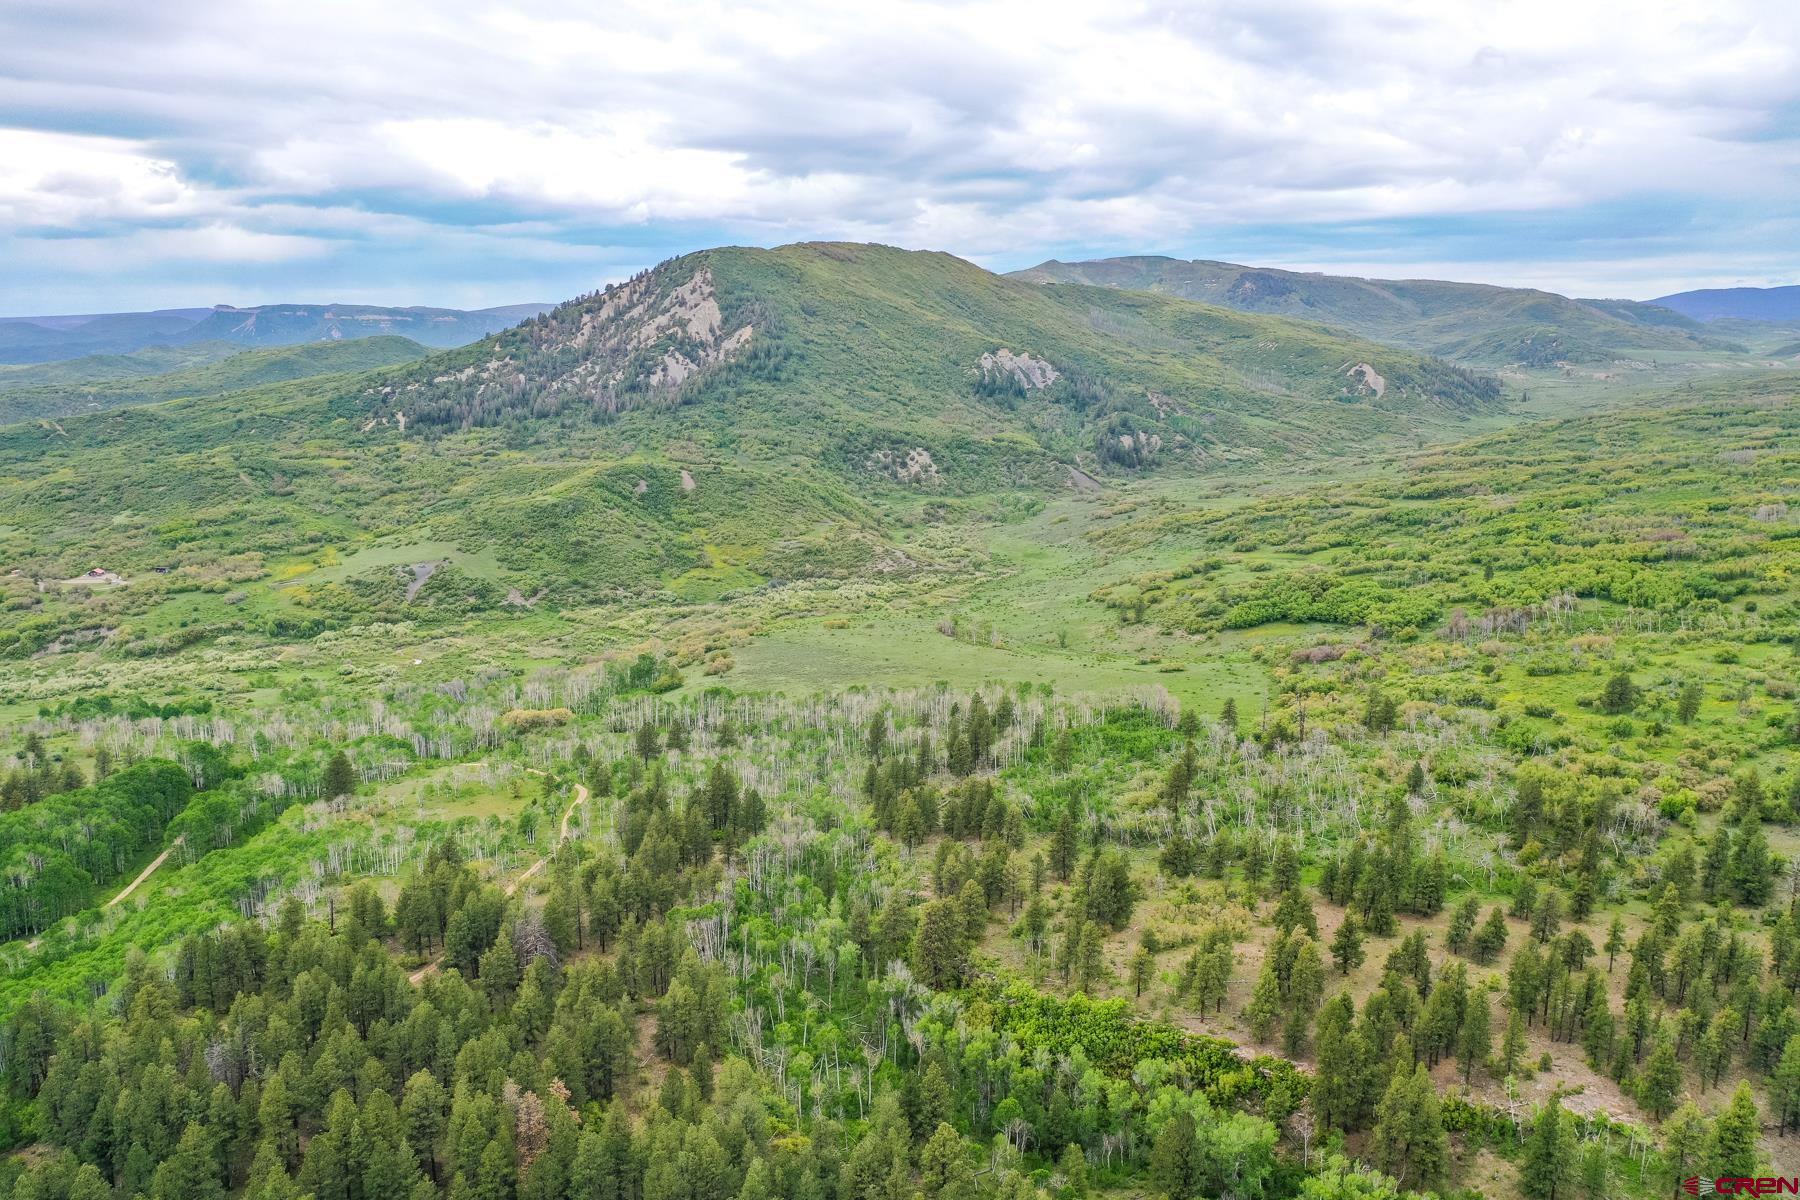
x: 854, y: 770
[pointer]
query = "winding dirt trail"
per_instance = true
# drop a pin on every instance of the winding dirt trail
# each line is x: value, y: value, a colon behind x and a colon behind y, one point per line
x: 562, y: 835
x: 147, y: 872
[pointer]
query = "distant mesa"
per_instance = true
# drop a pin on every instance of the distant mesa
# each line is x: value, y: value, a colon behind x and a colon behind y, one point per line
x: 1776, y: 304
x: 60, y: 338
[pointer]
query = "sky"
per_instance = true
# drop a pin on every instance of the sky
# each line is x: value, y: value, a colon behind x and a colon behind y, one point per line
x: 467, y: 153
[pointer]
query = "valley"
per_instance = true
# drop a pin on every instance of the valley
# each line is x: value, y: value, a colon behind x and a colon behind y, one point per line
x: 833, y: 721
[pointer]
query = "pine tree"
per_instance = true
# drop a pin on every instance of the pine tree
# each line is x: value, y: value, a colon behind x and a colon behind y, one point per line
x: 1073, y: 1166
x: 1548, y: 1171
x: 1688, y: 706
x: 340, y: 777
x: 1264, y: 1010
x: 1491, y: 939
x: 1512, y: 1044
x: 1784, y: 1087
x: 1619, y: 695
x: 943, y: 1164
x: 1339, y: 1094
x: 1475, y: 1040
x: 1460, y: 936
x: 192, y: 1171
x: 1686, y: 1136
x: 939, y: 949
x: 1736, y: 1137
x: 1415, y: 779
x: 1175, y: 1158
x: 1660, y: 1080
x: 1305, y: 989
x: 1143, y: 970
x: 1347, y: 945
x: 1293, y: 912
x: 1408, y: 1141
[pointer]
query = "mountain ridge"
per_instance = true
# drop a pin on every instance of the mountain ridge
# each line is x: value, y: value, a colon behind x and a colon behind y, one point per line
x: 26, y: 340
x: 734, y: 419
x: 1773, y: 304
x: 1474, y: 324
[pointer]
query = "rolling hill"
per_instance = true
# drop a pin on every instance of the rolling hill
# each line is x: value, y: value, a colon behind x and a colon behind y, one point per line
x: 731, y: 419
x: 866, y: 350
x: 59, y: 338
x: 195, y: 370
x: 1776, y: 304
x: 1469, y: 323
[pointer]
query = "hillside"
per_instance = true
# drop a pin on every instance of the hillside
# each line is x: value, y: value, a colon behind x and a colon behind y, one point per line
x: 1475, y: 324
x: 732, y: 420
x: 58, y: 338
x: 777, y: 659
x: 110, y: 368
x: 199, y: 369
x: 869, y: 351
x: 286, y: 324
x: 1777, y: 304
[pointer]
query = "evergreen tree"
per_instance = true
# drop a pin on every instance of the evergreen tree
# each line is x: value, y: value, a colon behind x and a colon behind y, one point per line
x: 1548, y: 1171
x: 1339, y: 1091
x: 1175, y: 1158
x: 192, y: 1171
x: 1491, y: 939
x: 1143, y: 970
x: 939, y: 949
x: 1459, y: 938
x: 1408, y: 1141
x: 1475, y: 1039
x: 339, y: 779
x: 1735, y: 1148
x: 1512, y: 1044
x: 1347, y: 945
x: 1686, y: 1136
x: 1688, y: 706
x: 1660, y: 1080
x: 1619, y: 695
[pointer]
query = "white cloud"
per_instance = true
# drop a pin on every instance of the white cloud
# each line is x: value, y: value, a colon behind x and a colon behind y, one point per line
x: 990, y: 128
x: 62, y: 181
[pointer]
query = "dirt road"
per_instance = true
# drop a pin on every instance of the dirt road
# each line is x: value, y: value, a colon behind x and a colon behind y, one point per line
x: 147, y: 872
x: 562, y: 835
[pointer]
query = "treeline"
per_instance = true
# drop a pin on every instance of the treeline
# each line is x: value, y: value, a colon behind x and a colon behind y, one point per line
x: 55, y: 853
x: 301, y: 1061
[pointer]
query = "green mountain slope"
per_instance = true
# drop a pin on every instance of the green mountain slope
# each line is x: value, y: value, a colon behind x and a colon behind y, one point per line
x: 1475, y: 324
x: 733, y: 419
x: 1680, y: 507
x: 164, y: 373
x: 866, y: 351
x: 287, y: 324
x: 110, y: 368
x: 50, y: 339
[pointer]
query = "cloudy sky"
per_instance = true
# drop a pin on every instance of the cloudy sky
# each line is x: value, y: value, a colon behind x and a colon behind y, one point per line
x: 467, y: 153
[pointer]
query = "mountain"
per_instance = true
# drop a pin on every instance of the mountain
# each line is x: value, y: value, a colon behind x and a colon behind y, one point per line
x: 287, y: 324
x: 57, y: 390
x: 1470, y: 323
x: 110, y: 368
x: 60, y: 338
x: 733, y: 419
x: 76, y: 320
x: 874, y: 349
x: 1779, y: 304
